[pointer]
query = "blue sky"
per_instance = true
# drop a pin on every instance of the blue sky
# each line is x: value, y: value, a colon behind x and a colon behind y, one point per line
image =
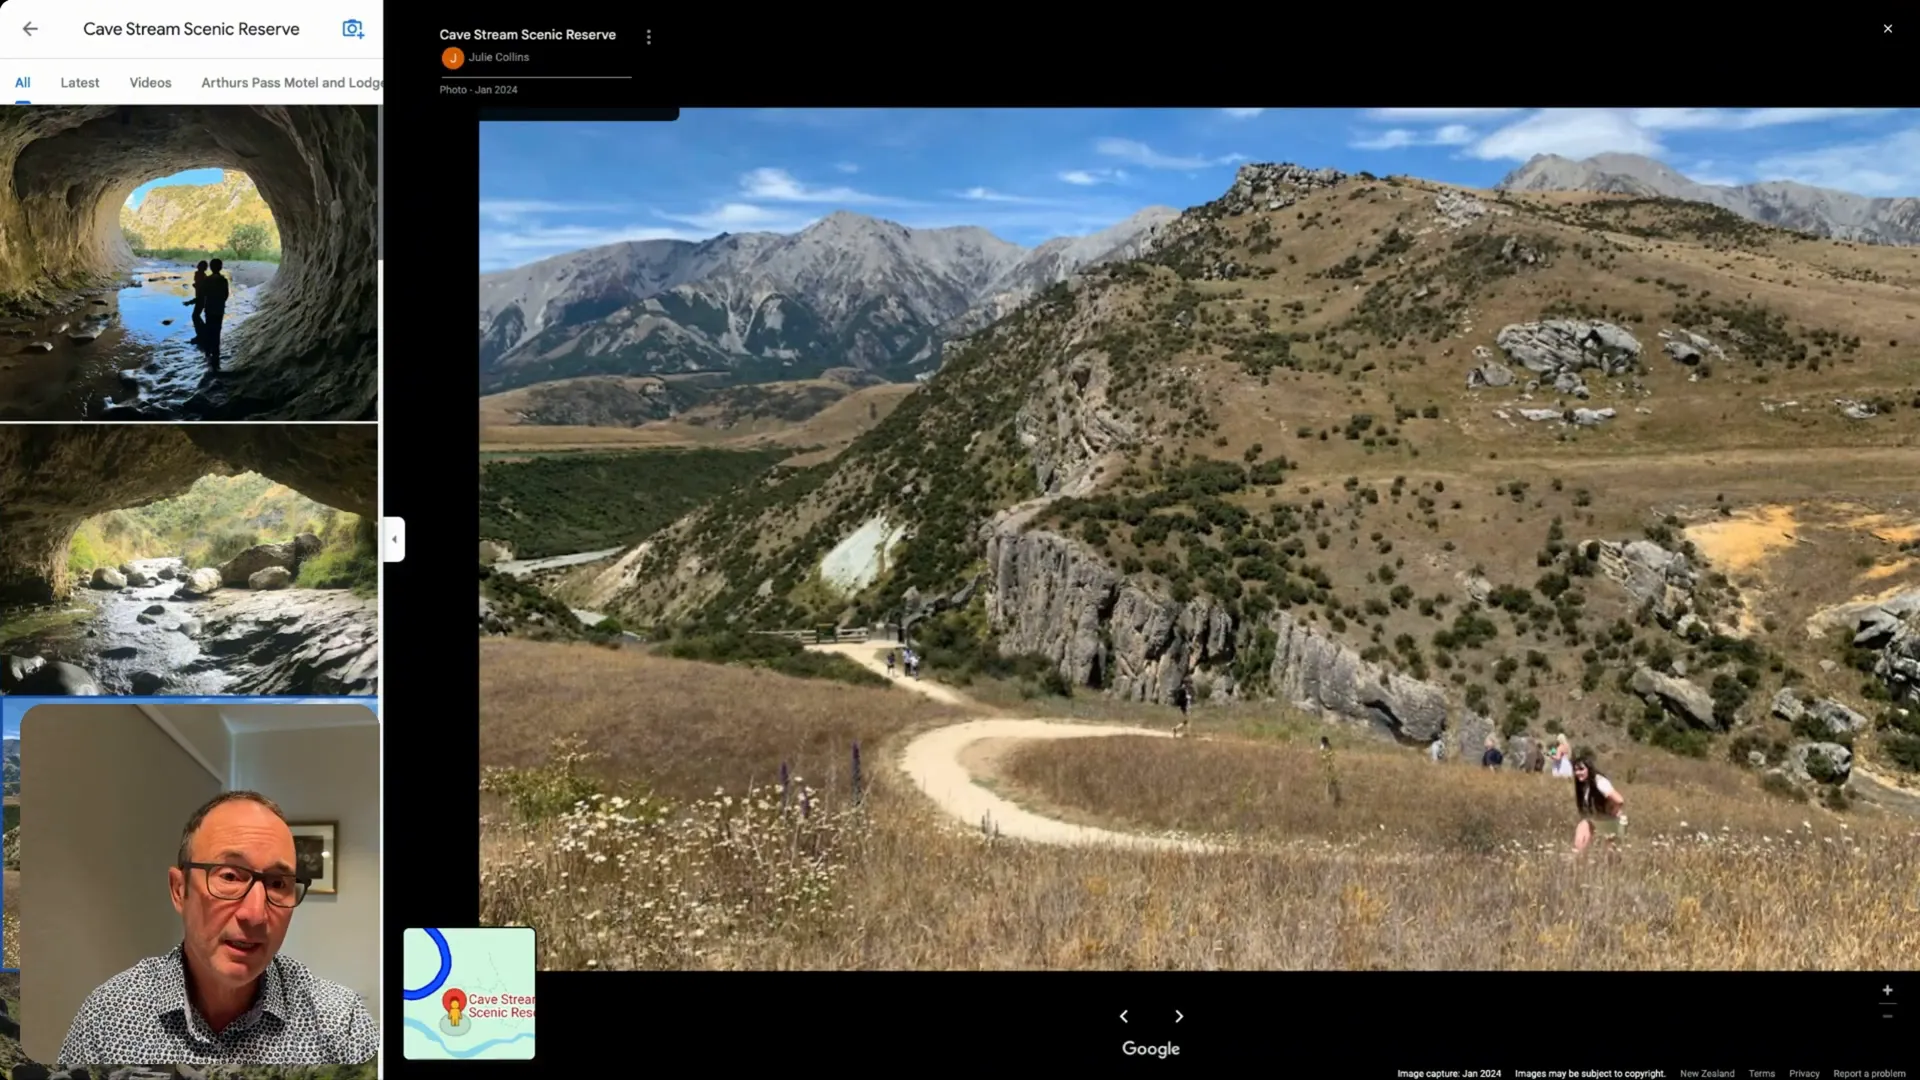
x: 1031, y: 174
x: 191, y: 176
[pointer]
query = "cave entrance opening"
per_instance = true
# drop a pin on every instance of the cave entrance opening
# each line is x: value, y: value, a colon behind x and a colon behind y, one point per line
x: 208, y: 590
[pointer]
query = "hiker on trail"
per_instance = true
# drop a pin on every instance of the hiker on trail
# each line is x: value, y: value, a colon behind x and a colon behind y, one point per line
x: 893, y: 656
x: 1183, y: 697
x: 1492, y: 758
x: 1326, y: 766
x: 1602, y: 809
x: 215, y: 308
x: 198, y: 303
x: 1563, y: 758
x: 1438, y: 750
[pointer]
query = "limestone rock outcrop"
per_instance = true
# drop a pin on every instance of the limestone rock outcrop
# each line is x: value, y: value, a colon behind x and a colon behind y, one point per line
x: 1047, y: 595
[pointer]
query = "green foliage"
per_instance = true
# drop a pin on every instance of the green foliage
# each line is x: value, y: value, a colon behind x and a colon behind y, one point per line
x: 218, y: 518
x: 559, y: 504
x: 779, y: 654
x: 1902, y: 749
x: 203, y: 221
x: 250, y: 240
x: 349, y: 555
x: 542, y: 792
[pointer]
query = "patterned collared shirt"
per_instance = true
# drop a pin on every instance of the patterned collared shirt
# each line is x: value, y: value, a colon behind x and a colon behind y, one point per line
x: 143, y: 1016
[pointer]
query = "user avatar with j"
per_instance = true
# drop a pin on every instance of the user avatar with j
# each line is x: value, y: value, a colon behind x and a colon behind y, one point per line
x: 225, y: 995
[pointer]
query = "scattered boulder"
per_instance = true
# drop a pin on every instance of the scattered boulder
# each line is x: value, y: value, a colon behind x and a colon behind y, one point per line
x: 272, y: 577
x: 1457, y: 209
x: 1692, y: 703
x: 1819, y: 762
x: 1489, y: 373
x: 167, y: 573
x: 139, y: 579
x: 1271, y: 187
x: 1650, y: 572
x: 495, y: 551
x: 198, y: 583
x: 146, y: 683
x: 241, y: 568
x: 106, y: 577
x: 1856, y: 410
x: 1555, y: 345
x: 33, y: 676
x: 1831, y: 716
x: 1591, y: 417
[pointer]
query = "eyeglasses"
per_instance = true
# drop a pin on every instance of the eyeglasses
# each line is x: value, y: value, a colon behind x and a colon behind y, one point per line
x: 225, y: 882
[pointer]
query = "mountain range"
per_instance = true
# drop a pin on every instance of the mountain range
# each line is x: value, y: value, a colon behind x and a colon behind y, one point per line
x: 197, y: 217
x: 849, y: 290
x: 873, y: 295
x: 1836, y: 215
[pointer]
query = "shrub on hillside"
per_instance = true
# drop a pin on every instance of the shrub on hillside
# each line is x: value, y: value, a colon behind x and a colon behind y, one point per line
x: 780, y: 654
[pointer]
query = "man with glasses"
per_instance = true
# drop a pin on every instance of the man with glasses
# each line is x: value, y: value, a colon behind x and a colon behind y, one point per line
x: 224, y: 994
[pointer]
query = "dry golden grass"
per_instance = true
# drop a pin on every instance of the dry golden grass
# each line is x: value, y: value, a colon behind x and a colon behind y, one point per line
x: 1473, y: 877
x: 831, y: 429
x: 679, y: 728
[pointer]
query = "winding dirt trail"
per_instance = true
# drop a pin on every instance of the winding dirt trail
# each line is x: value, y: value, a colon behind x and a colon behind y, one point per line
x: 936, y: 761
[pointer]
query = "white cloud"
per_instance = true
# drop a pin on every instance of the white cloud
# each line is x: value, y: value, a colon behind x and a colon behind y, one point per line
x: 779, y: 185
x: 848, y: 167
x: 728, y: 217
x: 1139, y: 153
x: 980, y: 194
x: 1887, y: 167
x: 1243, y: 114
x: 1399, y: 138
x: 1571, y: 133
x: 509, y: 210
x: 555, y: 239
x: 1580, y: 133
x: 1090, y: 177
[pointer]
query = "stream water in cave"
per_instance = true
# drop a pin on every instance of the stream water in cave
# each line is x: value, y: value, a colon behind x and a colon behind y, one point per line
x: 148, y: 639
x: 126, y: 353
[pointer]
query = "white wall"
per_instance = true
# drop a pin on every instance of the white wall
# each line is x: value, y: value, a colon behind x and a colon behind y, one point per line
x: 203, y: 729
x: 103, y: 796
x: 317, y: 775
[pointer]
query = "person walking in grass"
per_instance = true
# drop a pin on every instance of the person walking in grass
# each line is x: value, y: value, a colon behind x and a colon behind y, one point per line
x: 1602, y: 808
x: 1332, y: 775
x: 1492, y: 757
x: 1183, y: 697
x: 1563, y: 758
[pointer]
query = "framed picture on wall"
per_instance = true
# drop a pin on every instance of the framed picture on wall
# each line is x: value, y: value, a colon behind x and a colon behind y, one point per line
x: 313, y: 856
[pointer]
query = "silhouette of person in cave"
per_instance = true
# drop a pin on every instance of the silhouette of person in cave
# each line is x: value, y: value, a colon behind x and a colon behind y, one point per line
x: 198, y: 303
x: 214, y: 304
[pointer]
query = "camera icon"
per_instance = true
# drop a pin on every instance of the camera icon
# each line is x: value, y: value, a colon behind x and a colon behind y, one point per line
x: 352, y: 28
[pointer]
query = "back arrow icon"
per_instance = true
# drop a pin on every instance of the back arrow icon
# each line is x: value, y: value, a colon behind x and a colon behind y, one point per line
x: 29, y: 28
x: 1123, y: 1016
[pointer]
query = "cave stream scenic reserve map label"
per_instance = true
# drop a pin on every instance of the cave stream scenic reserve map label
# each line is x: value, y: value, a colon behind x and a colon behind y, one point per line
x: 469, y: 993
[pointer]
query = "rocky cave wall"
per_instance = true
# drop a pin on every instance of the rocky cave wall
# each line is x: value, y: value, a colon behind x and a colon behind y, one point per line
x: 309, y: 351
x: 53, y: 477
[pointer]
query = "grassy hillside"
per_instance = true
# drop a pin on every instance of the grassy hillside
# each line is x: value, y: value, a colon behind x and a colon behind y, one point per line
x: 721, y: 872
x: 558, y: 504
x: 196, y: 221
x: 1273, y: 412
x: 221, y: 516
x: 815, y: 417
